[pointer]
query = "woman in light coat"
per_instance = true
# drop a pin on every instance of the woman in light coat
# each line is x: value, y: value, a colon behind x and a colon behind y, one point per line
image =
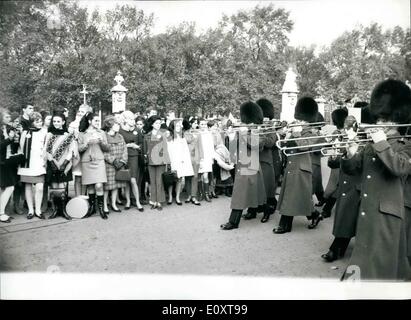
x: 180, y: 158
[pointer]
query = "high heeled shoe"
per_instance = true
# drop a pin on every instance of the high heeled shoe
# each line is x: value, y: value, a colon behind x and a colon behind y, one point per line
x: 115, y: 209
x: 188, y: 200
x: 195, y: 201
x: 141, y: 209
x: 179, y: 203
x: 30, y: 216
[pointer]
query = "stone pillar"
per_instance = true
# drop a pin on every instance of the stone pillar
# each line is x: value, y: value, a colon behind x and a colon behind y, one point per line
x: 118, y: 94
x: 289, y: 94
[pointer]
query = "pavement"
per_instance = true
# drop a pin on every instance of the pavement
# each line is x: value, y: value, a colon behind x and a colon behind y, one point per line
x: 178, y: 240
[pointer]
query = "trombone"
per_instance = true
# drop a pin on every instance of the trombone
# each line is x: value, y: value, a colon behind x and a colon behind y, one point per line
x: 364, y: 126
x: 345, y: 144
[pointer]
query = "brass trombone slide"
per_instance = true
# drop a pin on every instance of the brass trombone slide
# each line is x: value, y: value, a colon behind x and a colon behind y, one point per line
x: 361, y: 142
x: 370, y: 126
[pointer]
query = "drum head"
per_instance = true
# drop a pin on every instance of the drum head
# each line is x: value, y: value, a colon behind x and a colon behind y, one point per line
x: 77, y: 207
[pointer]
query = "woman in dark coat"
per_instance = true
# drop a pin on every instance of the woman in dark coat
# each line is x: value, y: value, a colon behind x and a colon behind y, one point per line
x: 9, y: 161
x: 134, y: 149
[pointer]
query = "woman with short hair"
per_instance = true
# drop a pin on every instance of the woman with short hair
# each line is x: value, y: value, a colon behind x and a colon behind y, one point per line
x: 116, y: 158
x: 33, y: 171
x: 92, y: 143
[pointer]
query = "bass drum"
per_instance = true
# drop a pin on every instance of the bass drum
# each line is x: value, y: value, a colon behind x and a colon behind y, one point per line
x: 77, y: 207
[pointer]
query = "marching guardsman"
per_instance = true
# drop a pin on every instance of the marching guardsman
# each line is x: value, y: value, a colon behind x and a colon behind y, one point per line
x: 380, y: 250
x: 296, y: 190
x: 347, y: 198
x: 249, y: 189
x: 267, y: 160
x: 338, y: 117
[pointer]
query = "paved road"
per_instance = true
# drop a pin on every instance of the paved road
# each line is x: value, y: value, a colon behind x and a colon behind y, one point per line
x: 178, y: 240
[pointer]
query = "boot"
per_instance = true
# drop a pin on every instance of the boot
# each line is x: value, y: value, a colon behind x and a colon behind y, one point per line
x: 56, y: 203
x: 92, y: 205
x: 285, y: 225
x: 251, y: 214
x: 267, y: 213
x: 272, y: 203
x: 16, y: 202
x: 200, y: 191
x: 100, y: 205
x: 206, y: 193
x: 233, y: 221
x: 63, y: 203
x: 316, y: 217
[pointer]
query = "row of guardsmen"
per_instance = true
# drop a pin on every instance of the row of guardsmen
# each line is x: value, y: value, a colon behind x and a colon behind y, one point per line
x: 369, y: 185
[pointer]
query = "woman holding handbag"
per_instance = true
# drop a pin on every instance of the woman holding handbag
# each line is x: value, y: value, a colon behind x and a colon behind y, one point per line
x: 61, y: 153
x: 8, y: 162
x: 155, y: 147
x: 92, y: 143
x: 133, y: 140
x: 180, y: 158
x: 116, y: 159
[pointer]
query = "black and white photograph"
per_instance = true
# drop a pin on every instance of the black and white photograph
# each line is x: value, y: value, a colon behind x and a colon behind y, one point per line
x: 212, y: 150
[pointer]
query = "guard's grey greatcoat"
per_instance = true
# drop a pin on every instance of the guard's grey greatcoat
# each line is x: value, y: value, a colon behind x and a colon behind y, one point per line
x: 267, y: 164
x: 380, y: 245
x: 249, y: 189
x: 296, y: 189
x: 348, y: 201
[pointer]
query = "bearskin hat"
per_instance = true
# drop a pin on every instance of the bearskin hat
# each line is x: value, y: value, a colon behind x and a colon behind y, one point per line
x: 319, y: 117
x: 367, y: 116
x: 267, y: 107
x: 306, y: 109
x: 338, y: 117
x: 251, y: 112
x: 360, y: 104
x: 391, y: 101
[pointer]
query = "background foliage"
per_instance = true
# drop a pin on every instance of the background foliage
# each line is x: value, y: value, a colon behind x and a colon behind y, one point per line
x: 50, y: 48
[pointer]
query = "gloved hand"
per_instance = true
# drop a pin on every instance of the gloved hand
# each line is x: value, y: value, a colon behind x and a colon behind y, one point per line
x: 378, y: 135
x: 117, y: 164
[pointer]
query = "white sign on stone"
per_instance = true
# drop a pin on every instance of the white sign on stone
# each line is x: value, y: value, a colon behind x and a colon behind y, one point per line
x: 118, y: 94
x: 289, y: 94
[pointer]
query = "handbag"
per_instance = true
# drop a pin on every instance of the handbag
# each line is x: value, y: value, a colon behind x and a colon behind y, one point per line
x: 169, y: 177
x: 123, y: 175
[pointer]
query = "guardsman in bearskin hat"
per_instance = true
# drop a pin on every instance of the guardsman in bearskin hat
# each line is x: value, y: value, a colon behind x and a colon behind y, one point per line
x: 249, y: 189
x: 296, y: 191
x: 338, y: 117
x: 380, y: 250
x: 347, y: 195
x: 267, y: 166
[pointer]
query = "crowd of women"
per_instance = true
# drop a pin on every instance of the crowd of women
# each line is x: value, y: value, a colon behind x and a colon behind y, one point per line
x: 127, y: 159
